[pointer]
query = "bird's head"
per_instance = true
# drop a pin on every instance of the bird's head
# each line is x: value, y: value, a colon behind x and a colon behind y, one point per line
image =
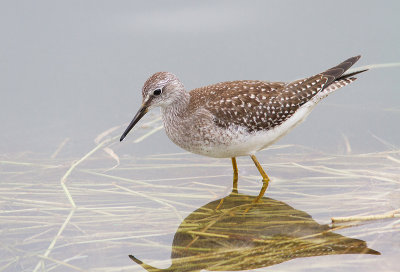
x: 160, y: 90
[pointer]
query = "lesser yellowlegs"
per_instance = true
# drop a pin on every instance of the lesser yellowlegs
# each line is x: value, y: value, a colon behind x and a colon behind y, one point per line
x: 236, y: 118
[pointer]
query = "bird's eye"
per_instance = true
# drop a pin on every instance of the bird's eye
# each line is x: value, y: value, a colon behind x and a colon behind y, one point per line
x: 157, y: 92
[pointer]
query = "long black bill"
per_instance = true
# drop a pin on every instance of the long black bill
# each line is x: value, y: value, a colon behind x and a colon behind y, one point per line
x: 142, y: 111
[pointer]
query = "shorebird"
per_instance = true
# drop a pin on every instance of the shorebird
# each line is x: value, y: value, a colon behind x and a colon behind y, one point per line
x: 236, y: 118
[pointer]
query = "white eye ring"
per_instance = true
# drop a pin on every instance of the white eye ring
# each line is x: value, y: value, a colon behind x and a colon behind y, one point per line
x: 157, y: 92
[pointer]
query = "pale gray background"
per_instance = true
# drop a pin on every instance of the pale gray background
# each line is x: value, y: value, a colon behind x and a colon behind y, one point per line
x: 76, y: 68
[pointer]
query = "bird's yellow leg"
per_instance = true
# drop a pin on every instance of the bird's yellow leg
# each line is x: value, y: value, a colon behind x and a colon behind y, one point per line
x: 235, y: 176
x: 235, y: 181
x: 265, y: 179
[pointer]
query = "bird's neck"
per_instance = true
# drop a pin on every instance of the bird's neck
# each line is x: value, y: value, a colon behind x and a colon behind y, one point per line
x: 174, y: 117
x: 178, y: 107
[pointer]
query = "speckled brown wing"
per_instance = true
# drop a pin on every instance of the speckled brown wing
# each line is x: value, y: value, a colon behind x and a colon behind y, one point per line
x: 258, y: 105
x: 244, y: 103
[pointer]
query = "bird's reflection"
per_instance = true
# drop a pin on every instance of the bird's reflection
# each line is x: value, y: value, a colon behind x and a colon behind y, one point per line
x: 234, y: 233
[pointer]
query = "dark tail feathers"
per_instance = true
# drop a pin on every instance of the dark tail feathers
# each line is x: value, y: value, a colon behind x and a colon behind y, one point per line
x: 338, y: 72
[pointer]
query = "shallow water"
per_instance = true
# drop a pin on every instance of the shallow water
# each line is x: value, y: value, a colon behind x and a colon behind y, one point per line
x: 136, y: 208
x: 71, y: 70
